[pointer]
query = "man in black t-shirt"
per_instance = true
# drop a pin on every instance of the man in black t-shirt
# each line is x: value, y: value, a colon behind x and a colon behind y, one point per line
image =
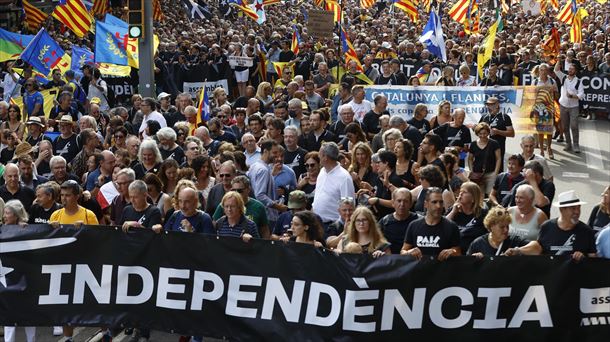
x: 565, y: 235
x: 65, y: 144
x: 139, y: 214
x: 501, y: 125
x: 370, y: 122
x: 394, y: 226
x: 40, y: 212
x: 433, y: 234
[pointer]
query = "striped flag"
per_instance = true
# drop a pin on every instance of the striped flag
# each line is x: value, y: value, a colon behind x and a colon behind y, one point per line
x: 280, y: 66
x: 157, y: 13
x: 271, y: 2
x: 349, y: 51
x: 576, y: 28
x: 505, y: 7
x: 203, y: 110
x: 100, y: 7
x: 367, y: 3
x: 296, y: 40
x: 245, y: 8
x: 33, y: 16
x: 472, y: 26
x: 459, y: 11
x: 554, y: 3
x: 263, y: 66
x: 319, y: 3
x: 409, y: 7
x: 74, y: 15
x: 567, y: 12
x: 550, y: 47
x: 334, y: 7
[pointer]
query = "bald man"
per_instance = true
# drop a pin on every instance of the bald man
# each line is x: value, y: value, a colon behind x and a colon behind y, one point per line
x: 188, y: 218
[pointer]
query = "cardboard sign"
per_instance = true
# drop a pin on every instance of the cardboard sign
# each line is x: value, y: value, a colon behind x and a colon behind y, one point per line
x: 320, y: 24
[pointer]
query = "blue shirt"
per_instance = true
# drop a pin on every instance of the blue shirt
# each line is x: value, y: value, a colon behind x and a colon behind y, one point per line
x: 263, y: 187
x: 286, y: 178
x: 244, y: 226
x: 201, y: 222
x: 603, y: 243
x: 92, y: 179
x: 31, y: 100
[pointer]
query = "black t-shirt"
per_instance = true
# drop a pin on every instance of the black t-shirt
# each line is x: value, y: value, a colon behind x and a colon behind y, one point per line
x: 286, y: 56
x: 547, y: 188
x: 504, y: 183
x: 471, y: 227
x: 598, y: 220
x: 6, y: 155
x: 67, y: 148
x: 556, y: 241
x: 141, y: 171
x: 176, y: 154
x: 422, y: 125
x: 395, y: 231
x: 385, y: 193
x: 24, y: 194
x: 295, y: 160
x: 499, y: 121
x: 414, y: 136
x: 454, y: 136
x: 370, y: 122
x: 481, y: 245
x: 39, y: 215
x: 147, y: 218
x: 484, y: 159
x: 431, y: 240
x: 382, y: 80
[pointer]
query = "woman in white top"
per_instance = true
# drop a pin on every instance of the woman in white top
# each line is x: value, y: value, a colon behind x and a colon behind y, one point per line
x: 526, y: 218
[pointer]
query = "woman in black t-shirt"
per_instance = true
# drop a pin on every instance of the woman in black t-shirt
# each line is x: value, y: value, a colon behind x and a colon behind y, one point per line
x: 360, y: 169
x: 484, y: 158
x: 497, y: 241
x: 468, y: 213
x: 404, y: 163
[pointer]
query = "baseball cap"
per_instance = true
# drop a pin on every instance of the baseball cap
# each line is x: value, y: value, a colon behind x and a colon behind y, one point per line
x: 297, y: 200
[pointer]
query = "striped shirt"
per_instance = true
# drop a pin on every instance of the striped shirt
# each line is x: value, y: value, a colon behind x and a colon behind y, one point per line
x: 244, y: 226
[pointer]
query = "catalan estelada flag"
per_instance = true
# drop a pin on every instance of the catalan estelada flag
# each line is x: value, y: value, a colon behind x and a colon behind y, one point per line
x: 296, y: 40
x: 550, y: 47
x: 74, y: 15
x: 245, y: 8
x: 567, y: 12
x: 33, y: 16
x: 367, y: 3
x: 203, y: 110
x: 576, y: 28
x: 349, y: 51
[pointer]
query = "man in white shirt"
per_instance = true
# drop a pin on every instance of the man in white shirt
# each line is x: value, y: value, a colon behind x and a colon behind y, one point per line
x: 10, y: 84
x: 359, y: 105
x: 149, y: 112
x: 334, y: 183
x: 572, y: 91
x: 251, y: 150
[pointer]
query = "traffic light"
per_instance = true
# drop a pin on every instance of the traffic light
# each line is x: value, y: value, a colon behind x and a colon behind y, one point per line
x: 135, y: 18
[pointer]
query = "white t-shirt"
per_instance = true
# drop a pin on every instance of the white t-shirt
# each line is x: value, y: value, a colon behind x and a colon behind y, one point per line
x: 330, y: 188
x: 360, y: 109
x: 155, y: 116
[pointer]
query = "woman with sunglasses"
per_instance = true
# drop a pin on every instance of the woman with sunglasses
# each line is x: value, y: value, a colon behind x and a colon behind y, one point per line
x: 307, y: 180
x: 497, y: 240
x: 32, y: 98
x: 119, y: 139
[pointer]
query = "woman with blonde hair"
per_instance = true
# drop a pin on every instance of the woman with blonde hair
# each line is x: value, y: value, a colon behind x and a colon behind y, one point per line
x: 447, y: 79
x: 468, y: 213
x: 220, y: 97
x: 498, y: 239
x: 444, y: 114
x: 364, y: 230
x: 235, y: 223
x: 263, y: 94
x: 600, y: 215
x: 360, y: 168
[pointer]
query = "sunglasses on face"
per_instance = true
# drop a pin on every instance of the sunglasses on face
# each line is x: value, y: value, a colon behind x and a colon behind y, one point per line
x: 224, y: 175
x: 310, y: 165
x: 238, y: 190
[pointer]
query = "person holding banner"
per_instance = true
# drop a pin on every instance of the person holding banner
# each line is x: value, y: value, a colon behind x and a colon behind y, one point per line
x: 498, y: 240
x: 363, y: 229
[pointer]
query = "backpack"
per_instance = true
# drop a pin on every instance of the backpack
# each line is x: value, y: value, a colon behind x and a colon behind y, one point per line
x: 563, y: 81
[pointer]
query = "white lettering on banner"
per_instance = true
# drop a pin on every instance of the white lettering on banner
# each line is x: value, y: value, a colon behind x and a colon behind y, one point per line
x: 123, y: 274
x: 358, y: 306
x: 194, y: 88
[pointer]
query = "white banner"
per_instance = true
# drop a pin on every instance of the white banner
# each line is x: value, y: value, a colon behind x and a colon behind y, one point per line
x: 194, y: 88
x: 240, y: 61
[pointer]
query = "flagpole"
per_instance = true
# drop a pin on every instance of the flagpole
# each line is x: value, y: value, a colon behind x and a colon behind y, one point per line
x: 340, y: 27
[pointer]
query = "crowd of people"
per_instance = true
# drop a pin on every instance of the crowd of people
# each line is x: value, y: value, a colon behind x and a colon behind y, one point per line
x: 282, y: 158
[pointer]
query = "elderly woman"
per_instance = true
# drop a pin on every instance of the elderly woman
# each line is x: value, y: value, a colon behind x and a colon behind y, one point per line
x: 235, y: 223
x: 498, y: 240
x: 526, y: 218
x: 149, y: 158
x: 468, y: 213
x: 419, y: 119
x: 363, y: 229
x: 167, y: 145
x: 306, y: 228
x: 466, y: 80
x: 484, y: 158
x: 600, y: 215
x: 390, y: 137
x: 430, y: 176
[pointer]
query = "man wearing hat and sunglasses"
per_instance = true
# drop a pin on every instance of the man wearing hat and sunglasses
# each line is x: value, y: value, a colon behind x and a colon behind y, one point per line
x: 566, y: 235
x: 36, y: 131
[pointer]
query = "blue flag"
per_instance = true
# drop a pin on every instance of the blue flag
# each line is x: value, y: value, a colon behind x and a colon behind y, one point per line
x: 432, y: 36
x: 112, y: 20
x: 80, y: 57
x: 43, y: 53
x: 110, y: 44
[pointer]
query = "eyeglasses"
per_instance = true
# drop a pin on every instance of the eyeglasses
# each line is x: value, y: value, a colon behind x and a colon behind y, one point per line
x: 224, y: 175
x: 361, y: 221
x: 238, y: 190
x: 119, y: 136
x: 310, y: 165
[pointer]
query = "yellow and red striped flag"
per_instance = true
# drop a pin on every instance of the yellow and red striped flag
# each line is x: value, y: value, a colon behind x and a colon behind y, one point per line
x: 74, y: 15
x: 271, y: 2
x: 349, y: 51
x: 157, y: 13
x: 567, y: 12
x: 367, y: 3
x: 319, y: 3
x: 554, y: 3
x: 459, y: 11
x: 33, y: 16
x: 334, y: 7
x: 409, y: 7
x: 245, y: 8
x: 100, y: 7
x: 550, y: 47
x: 576, y: 29
x: 505, y: 7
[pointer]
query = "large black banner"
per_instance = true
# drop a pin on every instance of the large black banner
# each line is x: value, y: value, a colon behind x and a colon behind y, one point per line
x: 271, y: 291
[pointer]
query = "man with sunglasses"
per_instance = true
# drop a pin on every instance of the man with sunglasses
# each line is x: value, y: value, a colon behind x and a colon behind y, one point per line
x: 32, y: 99
x: 225, y: 175
x: 501, y: 125
x: 255, y: 210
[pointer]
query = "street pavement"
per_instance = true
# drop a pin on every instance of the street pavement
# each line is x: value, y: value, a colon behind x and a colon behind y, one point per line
x: 588, y: 173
